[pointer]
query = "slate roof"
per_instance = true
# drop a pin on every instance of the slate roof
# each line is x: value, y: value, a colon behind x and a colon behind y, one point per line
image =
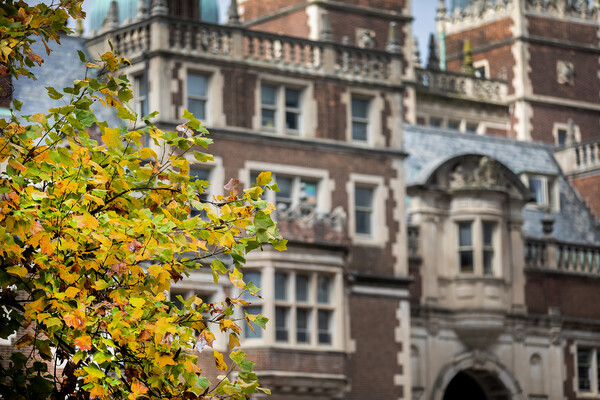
x: 59, y: 70
x: 428, y: 147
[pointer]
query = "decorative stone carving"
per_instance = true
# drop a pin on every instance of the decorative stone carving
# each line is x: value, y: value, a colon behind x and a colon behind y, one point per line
x: 565, y: 72
x: 555, y: 336
x: 485, y: 175
x: 519, y: 333
x: 365, y: 38
x: 433, y: 327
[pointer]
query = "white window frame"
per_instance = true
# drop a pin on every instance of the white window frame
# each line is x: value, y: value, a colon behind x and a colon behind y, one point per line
x: 550, y: 194
x: 482, y: 65
x: 376, y: 105
x: 268, y: 305
x: 280, y: 109
x: 141, y: 99
x: 594, y: 391
x: 361, y: 120
x: 477, y: 245
x: 379, y: 233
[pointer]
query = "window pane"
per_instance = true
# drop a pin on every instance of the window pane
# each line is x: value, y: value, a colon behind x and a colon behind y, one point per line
x: 198, y: 108
x: 323, y: 289
x: 359, y: 131
x: 196, y: 85
x: 362, y: 197
x: 488, y: 262
x: 281, y: 324
x: 537, y: 189
x: 584, y: 369
x: 268, y: 95
x: 360, y: 108
x: 302, y: 325
x: 562, y: 137
x: 292, y: 121
x: 257, y: 333
x: 292, y: 98
x: 464, y: 234
x: 466, y: 261
x: 435, y: 122
x: 363, y: 222
x: 285, y: 187
x: 281, y: 280
x: 453, y: 124
x: 302, y: 287
x: 324, y: 326
x: 488, y: 233
x: 309, y: 191
x: 268, y: 118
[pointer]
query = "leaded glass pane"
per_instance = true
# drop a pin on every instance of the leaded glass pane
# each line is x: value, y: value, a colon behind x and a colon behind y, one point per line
x: 302, y: 325
x: 302, y: 288
x: 360, y: 108
x: 281, y: 281
x: 324, y: 326
x: 281, y: 324
x: 323, y: 289
x: 464, y: 234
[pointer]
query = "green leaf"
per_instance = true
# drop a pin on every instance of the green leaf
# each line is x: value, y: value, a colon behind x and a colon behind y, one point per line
x: 203, y: 157
x: 125, y: 113
x: 53, y: 93
x: 82, y: 57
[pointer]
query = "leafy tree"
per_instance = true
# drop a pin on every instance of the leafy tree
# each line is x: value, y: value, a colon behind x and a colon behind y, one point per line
x: 93, y: 235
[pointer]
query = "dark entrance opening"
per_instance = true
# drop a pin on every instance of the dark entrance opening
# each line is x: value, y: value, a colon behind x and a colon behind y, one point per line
x: 464, y: 387
x: 477, y: 384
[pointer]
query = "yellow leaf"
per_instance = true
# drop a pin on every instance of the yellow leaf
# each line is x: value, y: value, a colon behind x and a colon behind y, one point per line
x: 234, y: 341
x: 83, y: 342
x: 137, y: 390
x: 27, y: 339
x: 219, y: 361
x: 146, y: 152
x: 112, y: 137
x: 165, y: 359
x: 236, y: 278
x: 46, y: 245
x: 71, y: 292
x: 17, y: 270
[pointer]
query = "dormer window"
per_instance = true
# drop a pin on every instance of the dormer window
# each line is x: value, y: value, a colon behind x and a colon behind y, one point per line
x: 543, y: 190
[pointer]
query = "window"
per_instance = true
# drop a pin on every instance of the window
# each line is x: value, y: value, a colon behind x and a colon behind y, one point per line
x: 476, y: 256
x: 588, y: 371
x: 454, y: 124
x: 360, y: 119
x: 293, y: 191
x: 197, y: 99
x: 363, y: 210
x: 471, y: 127
x: 256, y: 306
x: 140, y: 88
x: 435, y: 122
x: 201, y: 174
x: 561, y: 137
x: 542, y: 190
x: 281, y: 109
x: 303, y: 308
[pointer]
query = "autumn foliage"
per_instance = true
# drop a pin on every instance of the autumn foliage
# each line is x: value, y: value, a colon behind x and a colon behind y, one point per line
x: 94, y: 232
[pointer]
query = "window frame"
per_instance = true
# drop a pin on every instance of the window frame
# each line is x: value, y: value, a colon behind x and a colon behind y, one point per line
x: 380, y: 193
x: 272, y: 306
x: 549, y: 185
x: 366, y: 121
x: 141, y: 105
x: 594, y: 368
x: 202, y: 98
x: 280, y: 108
x: 478, y: 247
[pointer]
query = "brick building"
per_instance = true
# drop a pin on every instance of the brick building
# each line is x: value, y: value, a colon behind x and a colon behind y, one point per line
x: 440, y: 243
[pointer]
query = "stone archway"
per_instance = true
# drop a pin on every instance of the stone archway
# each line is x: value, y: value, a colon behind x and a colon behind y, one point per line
x: 479, y: 371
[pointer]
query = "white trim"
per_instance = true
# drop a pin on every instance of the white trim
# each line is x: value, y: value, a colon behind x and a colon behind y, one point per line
x: 401, y: 294
x: 375, y: 109
x: 379, y: 230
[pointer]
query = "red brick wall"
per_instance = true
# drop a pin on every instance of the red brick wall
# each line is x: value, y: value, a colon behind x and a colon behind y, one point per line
x: 496, y: 132
x: 344, y: 23
x: 331, y: 112
x: 543, y: 76
x: 373, y: 366
x: 589, y: 190
x: 563, y: 30
x: 479, y: 36
x: 544, y: 117
x: 392, y: 5
x: 292, y: 24
x: 572, y: 295
x: 253, y: 9
x: 238, y: 96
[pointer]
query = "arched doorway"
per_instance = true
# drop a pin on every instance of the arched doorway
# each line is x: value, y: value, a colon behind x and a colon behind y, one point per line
x: 476, y: 385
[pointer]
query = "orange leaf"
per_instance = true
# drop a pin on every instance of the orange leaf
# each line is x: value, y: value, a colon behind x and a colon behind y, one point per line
x: 83, y: 342
x: 219, y: 361
x: 27, y: 339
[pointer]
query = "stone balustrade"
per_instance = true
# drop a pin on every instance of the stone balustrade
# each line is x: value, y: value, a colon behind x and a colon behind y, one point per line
x: 304, y: 224
x: 465, y: 86
x: 579, y: 157
x: 561, y: 256
x: 162, y: 33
